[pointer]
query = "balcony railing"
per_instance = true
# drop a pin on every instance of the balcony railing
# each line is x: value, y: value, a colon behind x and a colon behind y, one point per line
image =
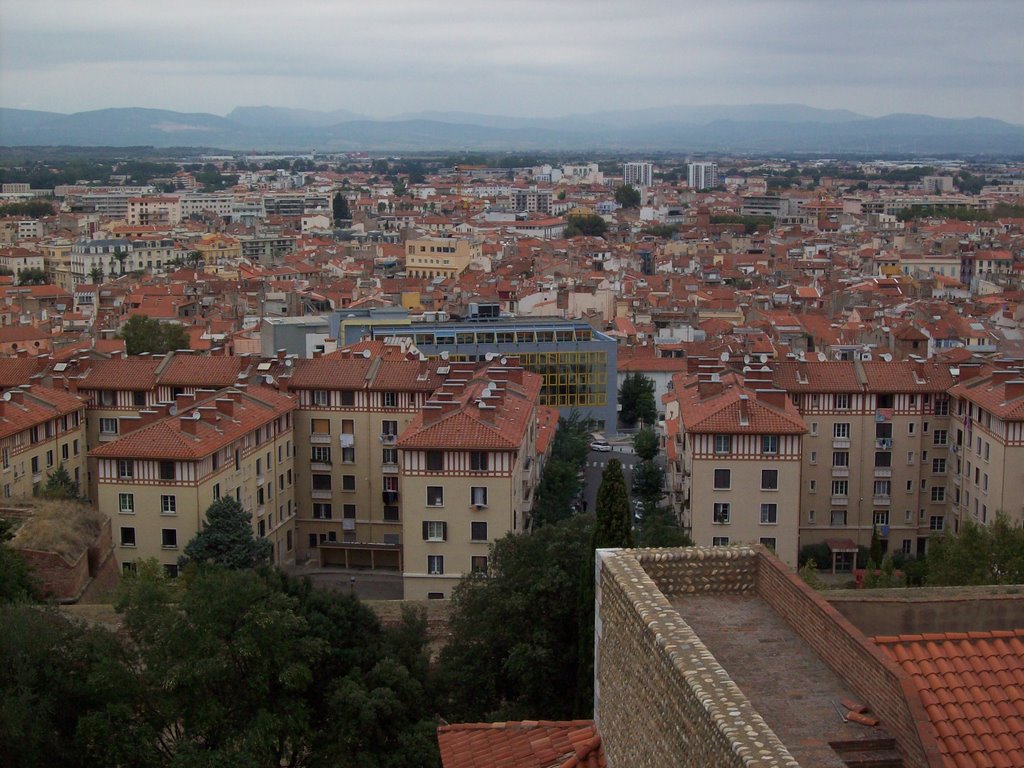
x: 321, y: 494
x: 883, y: 471
x: 841, y: 442
x: 840, y: 471
x: 840, y: 501
x: 881, y: 501
x: 320, y: 438
x: 319, y: 466
x: 389, y: 469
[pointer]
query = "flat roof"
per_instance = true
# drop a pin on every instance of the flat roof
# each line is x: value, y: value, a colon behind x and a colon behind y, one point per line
x: 784, y: 679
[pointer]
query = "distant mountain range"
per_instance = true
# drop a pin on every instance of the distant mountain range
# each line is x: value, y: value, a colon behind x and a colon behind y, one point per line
x: 757, y: 128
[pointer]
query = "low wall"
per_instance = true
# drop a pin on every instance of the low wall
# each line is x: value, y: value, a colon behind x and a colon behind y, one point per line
x: 661, y: 699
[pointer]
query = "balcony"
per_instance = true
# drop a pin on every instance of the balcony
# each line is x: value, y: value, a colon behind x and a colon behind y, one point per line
x: 881, y: 501
x: 956, y: 480
x: 390, y: 497
x: 261, y: 510
x: 883, y: 471
x: 840, y: 501
x: 346, y: 440
x: 322, y: 494
x: 840, y: 471
x: 955, y: 449
x: 320, y: 438
x: 348, y: 524
x: 389, y: 469
x: 319, y: 466
x: 260, y: 479
x: 841, y: 442
x: 885, y: 443
x: 387, y: 438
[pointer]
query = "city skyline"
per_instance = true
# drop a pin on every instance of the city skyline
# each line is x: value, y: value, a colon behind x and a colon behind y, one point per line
x: 530, y: 60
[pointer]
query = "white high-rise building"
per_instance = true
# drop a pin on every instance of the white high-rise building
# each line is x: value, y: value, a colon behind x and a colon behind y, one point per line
x: 639, y: 175
x: 702, y: 175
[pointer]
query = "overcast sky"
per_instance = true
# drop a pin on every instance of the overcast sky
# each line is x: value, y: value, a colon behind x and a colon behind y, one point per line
x: 527, y: 57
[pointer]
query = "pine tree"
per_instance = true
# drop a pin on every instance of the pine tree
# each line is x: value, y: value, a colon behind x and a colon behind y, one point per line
x: 227, y: 539
x: 614, y: 527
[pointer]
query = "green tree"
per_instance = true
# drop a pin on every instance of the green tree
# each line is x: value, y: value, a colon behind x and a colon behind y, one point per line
x: 227, y: 538
x: 636, y: 396
x: 96, y: 275
x: 613, y: 526
x: 876, y: 553
x: 34, y: 209
x: 590, y: 225
x: 645, y: 444
x: 192, y: 258
x: 149, y: 335
x: 32, y: 276
x: 16, y: 581
x: 340, y: 208
x: 515, y: 633
x: 59, y: 485
x: 627, y: 196
x: 560, y: 481
x: 978, y: 554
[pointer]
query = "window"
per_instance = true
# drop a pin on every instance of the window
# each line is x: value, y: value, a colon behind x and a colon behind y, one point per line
x: 941, y: 407
x: 168, y: 505
x: 880, y: 517
x: 389, y: 455
x: 65, y: 452
x: 390, y: 399
x: 810, y: 517
x: 320, y: 426
x: 348, y: 398
x: 320, y: 454
x: 769, y: 443
x: 167, y: 470
x: 49, y: 458
x: 478, y: 461
x: 910, y: 457
x: 883, y: 459
x: 841, y: 431
x: 35, y: 465
x: 812, y: 486
x: 139, y: 399
x: 435, y: 496
x: 478, y: 531
x: 125, y: 468
x: 719, y: 541
x: 238, y: 460
x: 840, y: 458
x: 769, y: 479
x: 322, y: 511
x: 939, y: 437
x: 435, y: 565
x: 127, y: 537
x: 939, y: 467
x: 883, y: 487
x: 939, y: 493
x: 720, y: 515
x: 348, y: 511
x: 321, y: 482
x: 884, y: 401
x: 321, y: 397
x: 842, y: 402
x: 348, y: 482
x: 126, y: 503
x: 814, y: 429
x: 814, y: 457
x: 936, y: 523
x: 169, y: 538
x: 883, y: 431
x: 723, y: 443
x: 478, y: 496
x: 911, y: 428
x: 435, y: 461
x: 838, y: 517
x: 767, y: 541
x: 391, y: 514
x: 389, y: 427
x: 840, y: 487
x: 723, y: 479
x: 478, y: 564
x: 216, y: 491
x: 769, y: 514
x: 986, y: 451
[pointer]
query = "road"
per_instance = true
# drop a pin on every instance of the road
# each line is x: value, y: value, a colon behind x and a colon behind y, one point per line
x: 596, y: 462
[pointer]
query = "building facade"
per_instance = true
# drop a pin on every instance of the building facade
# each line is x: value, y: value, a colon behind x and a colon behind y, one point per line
x: 702, y: 175
x: 639, y: 175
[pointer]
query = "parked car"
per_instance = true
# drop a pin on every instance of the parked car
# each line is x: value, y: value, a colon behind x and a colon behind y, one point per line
x: 600, y: 445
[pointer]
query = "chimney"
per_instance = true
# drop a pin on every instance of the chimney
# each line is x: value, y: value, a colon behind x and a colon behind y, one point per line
x: 183, y: 401
x: 773, y: 397
x: 188, y: 424
x: 436, y: 408
x: 17, y: 396
x: 208, y: 414
x: 1013, y: 389
x: 708, y: 386
x: 1003, y: 375
x: 487, y: 412
x: 225, y: 405
x: 969, y: 371
x: 281, y: 355
x: 146, y: 416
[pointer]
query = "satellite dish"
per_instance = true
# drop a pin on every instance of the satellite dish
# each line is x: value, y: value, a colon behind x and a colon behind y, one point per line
x: 821, y: 357
x: 196, y: 416
x: 288, y: 363
x: 764, y: 359
x: 724, y: 357
x: 7, y: 396
x: 489, y: 356
x: 444, y: 355
x: 746, y: 359
x: 173, y: 410
x: 366, y: 354
x: 268, y: 380
x: 504, y: 361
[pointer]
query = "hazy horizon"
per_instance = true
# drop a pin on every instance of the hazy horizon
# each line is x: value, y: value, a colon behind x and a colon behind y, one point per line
x: 533, y: 59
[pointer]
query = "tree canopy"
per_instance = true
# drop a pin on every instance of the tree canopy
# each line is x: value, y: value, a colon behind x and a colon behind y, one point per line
x: 636, y: 396
x: 32, y: 276
x: 340, y: 208
x: 627, y: 196
x: 977, y: 554
x: 59, y: 485
x: 16, y: 581
x: 559, y: 481
x: 149, y: 335
x: 591, y: 225
x: 227, y: 538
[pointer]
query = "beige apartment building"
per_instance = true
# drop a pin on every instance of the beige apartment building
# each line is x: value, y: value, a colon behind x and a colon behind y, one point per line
x: 41, y: 429
x: 987, y: 443
x: 439, y: 256
x: 351, y: 407
x: 157, y: 480
x: 468, y: 471
x: 734, y: 465
x: 876, y: 455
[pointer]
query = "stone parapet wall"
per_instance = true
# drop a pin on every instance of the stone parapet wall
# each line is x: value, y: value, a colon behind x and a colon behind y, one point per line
x: 661, y: 699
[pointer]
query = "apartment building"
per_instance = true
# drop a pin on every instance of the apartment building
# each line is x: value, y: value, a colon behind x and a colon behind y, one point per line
x: 987, y: 443
x: 639, y: 175
x: 467, y: 474
x: 40, y: 429
x: 156, y: 481
x: 444, y: 257
x: 702, y: 175
x: 532, y: 200
x: 89, y: 255
x: 735, y: 461
x: 876, y: 455
x: 161, y: 211
x: 351, y: 407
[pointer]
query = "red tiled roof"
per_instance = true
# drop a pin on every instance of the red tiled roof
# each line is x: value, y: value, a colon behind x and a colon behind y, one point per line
x: 202, y: 371
x: 736, y: 410
x: 972, y: 687
x: 36, y: 405
x: 526, y: 744
x: 135, y: 373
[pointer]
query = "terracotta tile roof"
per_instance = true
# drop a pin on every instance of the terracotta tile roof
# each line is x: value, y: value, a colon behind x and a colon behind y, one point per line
x: 992, y: 395
x: 736, y: 410
x: 165, y: 438
x: 135, y: 373
x: 972, y: 687
x: 202, y: 371
x: 35, y: 405
x: 856, y: 376
x: 15, y: 371
x: 904, y: 376
x: 526, y: 744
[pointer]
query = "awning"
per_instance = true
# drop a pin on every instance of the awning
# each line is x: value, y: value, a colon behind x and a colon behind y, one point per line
x: 841, y: 545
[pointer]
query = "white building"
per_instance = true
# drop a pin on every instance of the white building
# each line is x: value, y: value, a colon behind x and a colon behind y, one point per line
x: 702, y: 175
x: 638, y: 175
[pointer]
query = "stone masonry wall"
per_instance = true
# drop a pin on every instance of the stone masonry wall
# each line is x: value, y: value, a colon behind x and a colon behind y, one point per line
x: 661, y: 698
x: 856, y: 660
